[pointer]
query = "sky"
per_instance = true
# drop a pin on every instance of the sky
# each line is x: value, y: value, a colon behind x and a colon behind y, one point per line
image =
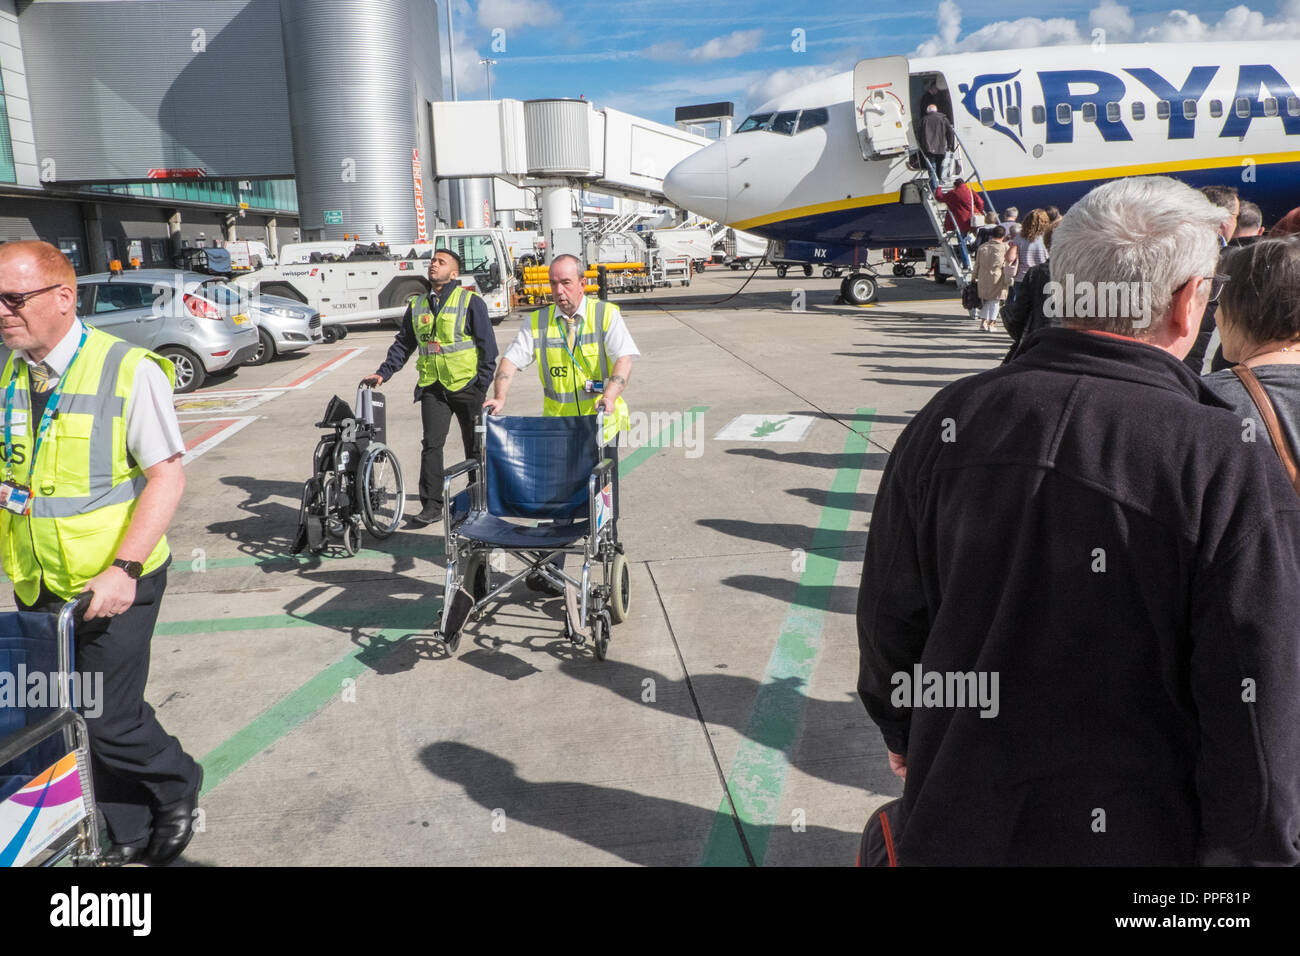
x: 650, y: 57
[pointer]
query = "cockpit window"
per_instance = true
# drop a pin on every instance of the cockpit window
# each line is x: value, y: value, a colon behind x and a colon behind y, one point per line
x: 811, y: 118
x: 785, y: 122
x: 756, y: 121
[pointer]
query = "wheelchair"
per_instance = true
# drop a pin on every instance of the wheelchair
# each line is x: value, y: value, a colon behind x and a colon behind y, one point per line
x: 553, y: 472
x: 355, y: 480
x: 47, y: 795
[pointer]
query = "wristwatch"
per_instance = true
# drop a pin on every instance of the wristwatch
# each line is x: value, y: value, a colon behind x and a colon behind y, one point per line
x: 133, y: 569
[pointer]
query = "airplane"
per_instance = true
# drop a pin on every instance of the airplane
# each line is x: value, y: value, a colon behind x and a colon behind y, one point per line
x: 830, y: 170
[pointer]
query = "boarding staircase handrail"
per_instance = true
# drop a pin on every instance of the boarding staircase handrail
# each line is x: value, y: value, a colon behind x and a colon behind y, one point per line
x: 949, y: 240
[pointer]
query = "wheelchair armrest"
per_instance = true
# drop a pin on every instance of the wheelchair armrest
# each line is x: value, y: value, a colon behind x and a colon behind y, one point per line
x: 469, y: 464
x: 605, y: 465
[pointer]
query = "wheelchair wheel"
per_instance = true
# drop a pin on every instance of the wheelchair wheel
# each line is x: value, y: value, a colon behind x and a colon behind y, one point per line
x: 314, y: 515
x: 600, y: 634
x: 620, y: 589
x: 476, y: 576
x: 351, y: 537
x: 382, y: 491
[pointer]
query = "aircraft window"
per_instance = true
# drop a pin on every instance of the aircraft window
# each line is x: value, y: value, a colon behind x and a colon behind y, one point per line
x: 1064, y: 115
x: 1040, y: 114
x: 1089, y: 112
x: 1216, y: 108
x: 1189, y: 109
x: 1293, y: 106
x: 1270, y: 107
x: 1162, y: 109
x: 785, y: 122
x: 811, y: 118
x: 1243, y: 106
x: 1139, y: 111
x: 1013, y: 115
x: 986, y: 115
x: 1112, y: 112
x: 757, y: 121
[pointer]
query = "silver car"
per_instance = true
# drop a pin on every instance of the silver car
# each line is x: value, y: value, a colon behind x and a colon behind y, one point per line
x: 171, y: 313
x: 283, y: 325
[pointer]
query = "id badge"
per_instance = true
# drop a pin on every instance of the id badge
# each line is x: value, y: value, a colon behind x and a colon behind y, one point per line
x: 592, y: 387
x: 15, y: 497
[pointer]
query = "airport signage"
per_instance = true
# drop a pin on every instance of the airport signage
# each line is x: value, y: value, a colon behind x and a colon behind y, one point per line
x: 333, y: 217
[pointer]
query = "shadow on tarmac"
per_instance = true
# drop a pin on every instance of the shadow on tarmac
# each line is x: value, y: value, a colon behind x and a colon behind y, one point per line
x: 640, y: 829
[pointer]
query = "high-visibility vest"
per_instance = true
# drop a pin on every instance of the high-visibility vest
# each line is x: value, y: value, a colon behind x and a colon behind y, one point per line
x: 562, y: 379
x: 84, y: 485
x: 448, y: 353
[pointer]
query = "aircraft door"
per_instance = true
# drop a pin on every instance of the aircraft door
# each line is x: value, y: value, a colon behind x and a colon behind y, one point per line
x: 881, y: 107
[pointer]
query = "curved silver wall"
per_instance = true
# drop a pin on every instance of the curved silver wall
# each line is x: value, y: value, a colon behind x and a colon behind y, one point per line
x: 350, y: 67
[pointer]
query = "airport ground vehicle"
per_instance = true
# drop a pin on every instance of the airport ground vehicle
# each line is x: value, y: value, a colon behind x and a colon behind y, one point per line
x: 47, y: 796
x: 355, y: 479
x: 176, y: 314
x: 566, y: 488
x: 246, y: 256
x: 364, y: 282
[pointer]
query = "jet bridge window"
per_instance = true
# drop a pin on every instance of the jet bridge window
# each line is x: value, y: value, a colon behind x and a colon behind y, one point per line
x: 1139, y: 111
x: 1089, y: 112
x: 1216, y: 108
x: 811, y: 118
x: 786, y: 122
x: 1112, y: 112
x: 756, y: 121
x: 1162, y: 109
x: 1064, y: 115
x: 1189, y: 109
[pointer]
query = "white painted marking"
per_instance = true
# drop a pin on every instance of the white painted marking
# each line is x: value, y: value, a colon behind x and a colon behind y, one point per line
x: 766, y: 428
x: 213, y: 441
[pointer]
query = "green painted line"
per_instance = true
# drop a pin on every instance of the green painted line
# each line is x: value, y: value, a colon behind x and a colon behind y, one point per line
x: 664, y: 439
x: 762, y: 761
x: 289, y: 712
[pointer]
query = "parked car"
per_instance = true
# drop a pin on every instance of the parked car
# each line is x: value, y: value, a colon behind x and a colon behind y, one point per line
x: 169, y: 312
x: 283, y: 325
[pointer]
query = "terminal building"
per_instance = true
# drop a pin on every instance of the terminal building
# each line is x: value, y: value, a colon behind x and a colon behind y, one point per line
x: 138, y: 128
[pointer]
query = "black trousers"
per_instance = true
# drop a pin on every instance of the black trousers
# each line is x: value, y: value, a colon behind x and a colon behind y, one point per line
x: 437, y: 406
x: 138, y: 767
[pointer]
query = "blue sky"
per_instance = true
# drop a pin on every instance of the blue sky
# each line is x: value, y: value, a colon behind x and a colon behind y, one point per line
x: 649, y: 56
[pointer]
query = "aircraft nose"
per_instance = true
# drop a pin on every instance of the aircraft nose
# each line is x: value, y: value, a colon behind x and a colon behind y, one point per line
x: 699, y: 183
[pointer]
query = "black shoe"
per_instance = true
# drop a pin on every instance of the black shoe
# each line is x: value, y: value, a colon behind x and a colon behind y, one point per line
x: 118, y: 855
x: 536, y: 581
x: 173, y: 829
x: 428, y: 516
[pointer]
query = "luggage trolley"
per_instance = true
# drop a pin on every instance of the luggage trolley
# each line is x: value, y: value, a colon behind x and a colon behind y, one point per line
x: 552, y: 470
x: 355, y: 478
x: 47, y: 796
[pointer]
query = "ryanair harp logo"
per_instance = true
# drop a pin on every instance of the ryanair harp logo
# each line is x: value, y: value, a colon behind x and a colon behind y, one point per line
x: 998, y: 92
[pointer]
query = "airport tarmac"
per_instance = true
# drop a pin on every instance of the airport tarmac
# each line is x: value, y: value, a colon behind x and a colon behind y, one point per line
x: 723, y: 729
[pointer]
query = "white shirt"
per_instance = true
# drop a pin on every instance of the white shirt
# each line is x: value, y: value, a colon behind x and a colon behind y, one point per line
x: 152, y: 432
x: 618, y: 342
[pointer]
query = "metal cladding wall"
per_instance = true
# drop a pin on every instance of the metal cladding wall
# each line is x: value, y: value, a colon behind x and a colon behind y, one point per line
x: 352, y: 68
x: 120, y: 88
x: 558, y: 134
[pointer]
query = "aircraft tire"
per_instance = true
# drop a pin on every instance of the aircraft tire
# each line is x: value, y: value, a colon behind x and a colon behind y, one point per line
x: 858, y: 288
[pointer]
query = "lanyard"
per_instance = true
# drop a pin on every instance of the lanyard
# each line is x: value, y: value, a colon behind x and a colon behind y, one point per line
x: 576, y: 357
x: 47, y: 417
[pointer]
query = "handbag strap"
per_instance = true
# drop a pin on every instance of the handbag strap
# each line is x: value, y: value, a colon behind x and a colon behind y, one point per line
x: 1265, y: 406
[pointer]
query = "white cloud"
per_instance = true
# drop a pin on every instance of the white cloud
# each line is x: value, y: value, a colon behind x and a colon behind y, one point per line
x: 471, y: 76
x: 512, y: 14
x: 1238, y: 23
x: 733, y: 44
x: 768, y: 86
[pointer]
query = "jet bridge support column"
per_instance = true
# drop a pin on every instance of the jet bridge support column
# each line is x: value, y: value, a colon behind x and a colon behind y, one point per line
x: 557, y: 213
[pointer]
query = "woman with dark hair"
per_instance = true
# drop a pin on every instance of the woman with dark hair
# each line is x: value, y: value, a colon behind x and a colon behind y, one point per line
x: 1259, y: 325
x: 1026, y: 315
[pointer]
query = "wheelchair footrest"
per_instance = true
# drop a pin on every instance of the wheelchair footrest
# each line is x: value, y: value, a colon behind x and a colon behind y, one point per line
x: 461, y: 603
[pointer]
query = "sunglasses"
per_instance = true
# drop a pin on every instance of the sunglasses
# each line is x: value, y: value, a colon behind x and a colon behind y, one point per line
x: 16, y: 300
x: 1217, y: 282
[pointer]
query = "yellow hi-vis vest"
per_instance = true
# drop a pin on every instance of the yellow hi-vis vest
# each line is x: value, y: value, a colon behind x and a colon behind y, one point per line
x: 84, y: 485
x: 562, y: 379
x: 448, y: 354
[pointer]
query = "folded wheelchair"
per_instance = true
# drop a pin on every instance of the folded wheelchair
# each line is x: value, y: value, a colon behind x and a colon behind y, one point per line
x: 539, y: 488
x: 355, y: 479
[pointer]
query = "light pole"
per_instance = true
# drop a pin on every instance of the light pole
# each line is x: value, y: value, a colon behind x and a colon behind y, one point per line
x: 489, y: 64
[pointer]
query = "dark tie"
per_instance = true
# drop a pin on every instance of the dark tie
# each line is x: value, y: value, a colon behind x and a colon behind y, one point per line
x: 40, y: 375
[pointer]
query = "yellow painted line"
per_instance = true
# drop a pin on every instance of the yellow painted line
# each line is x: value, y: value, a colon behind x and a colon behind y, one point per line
x: 1021, y: 182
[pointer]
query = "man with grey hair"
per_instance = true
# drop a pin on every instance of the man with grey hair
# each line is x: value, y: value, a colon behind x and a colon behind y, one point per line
x: 1084, y: 531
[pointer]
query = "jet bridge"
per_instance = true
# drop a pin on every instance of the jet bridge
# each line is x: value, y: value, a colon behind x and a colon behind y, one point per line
x: 557, y: 145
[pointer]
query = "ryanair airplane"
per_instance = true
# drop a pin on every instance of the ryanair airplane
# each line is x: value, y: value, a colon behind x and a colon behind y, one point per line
x: 824, y: 170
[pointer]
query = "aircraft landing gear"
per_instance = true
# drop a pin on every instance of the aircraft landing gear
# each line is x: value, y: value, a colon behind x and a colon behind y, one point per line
x: 858, y: 288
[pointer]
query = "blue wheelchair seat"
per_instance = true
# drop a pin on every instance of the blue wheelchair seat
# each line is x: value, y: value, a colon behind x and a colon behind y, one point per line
x: 538, y: 467
x: 28, y: 641
x: 489, y: 529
